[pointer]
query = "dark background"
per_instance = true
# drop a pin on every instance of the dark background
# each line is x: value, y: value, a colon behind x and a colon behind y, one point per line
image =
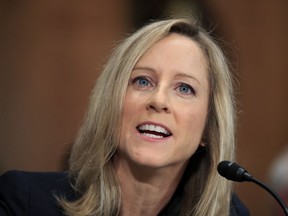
x: 51, y: 53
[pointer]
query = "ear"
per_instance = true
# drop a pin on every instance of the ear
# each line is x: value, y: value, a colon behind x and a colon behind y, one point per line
x: 201, y: 148
x: 203, y: 143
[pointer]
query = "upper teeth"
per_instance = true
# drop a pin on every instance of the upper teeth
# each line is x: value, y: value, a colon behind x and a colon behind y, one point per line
x: 158, y: 129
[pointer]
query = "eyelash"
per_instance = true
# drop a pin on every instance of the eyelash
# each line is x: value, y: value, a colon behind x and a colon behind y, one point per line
x: 190, y: 88
x: 137, y: 80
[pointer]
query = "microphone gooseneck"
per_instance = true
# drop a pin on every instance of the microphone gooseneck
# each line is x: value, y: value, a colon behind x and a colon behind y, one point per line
x: 235, y: 172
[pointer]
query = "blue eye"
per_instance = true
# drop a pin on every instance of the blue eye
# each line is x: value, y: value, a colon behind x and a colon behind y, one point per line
x: 142, y: 82
x: 186, y: 89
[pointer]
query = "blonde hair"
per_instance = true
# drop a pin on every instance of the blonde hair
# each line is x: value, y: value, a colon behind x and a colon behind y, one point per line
x: 90, y: 166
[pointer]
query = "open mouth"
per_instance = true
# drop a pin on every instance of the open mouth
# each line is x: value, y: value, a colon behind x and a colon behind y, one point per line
x: 153, y: 131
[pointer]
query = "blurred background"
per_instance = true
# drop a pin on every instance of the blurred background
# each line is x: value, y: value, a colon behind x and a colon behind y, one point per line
x: 51, y: 53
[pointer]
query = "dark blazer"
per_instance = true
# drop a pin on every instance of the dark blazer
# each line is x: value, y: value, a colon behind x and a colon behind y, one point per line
x: 34, y: 194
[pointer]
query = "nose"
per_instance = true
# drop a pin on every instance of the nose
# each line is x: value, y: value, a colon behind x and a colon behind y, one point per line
x: 159, y: 101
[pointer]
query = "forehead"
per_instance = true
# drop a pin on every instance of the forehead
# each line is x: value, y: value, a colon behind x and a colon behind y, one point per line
x: 175, y: 51
x: 179, y: 44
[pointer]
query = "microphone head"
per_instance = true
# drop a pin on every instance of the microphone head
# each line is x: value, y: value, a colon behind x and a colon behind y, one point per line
x: 233, y: 171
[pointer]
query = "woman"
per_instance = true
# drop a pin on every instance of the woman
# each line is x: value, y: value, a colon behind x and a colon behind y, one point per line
x: 160, y: 119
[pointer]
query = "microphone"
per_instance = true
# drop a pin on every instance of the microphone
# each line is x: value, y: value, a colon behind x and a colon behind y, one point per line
x: 234, y: 172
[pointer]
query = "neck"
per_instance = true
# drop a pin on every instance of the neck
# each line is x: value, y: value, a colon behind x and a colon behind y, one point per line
x: 145, y: 191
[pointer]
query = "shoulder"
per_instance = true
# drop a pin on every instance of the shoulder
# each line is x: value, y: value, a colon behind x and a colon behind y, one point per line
x: 37, y: 182
x: 33, y: 193
x: 27, y: 177
x: 237, y: 208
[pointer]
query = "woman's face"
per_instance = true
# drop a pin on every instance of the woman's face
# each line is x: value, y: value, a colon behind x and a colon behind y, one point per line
x: 166, y: 103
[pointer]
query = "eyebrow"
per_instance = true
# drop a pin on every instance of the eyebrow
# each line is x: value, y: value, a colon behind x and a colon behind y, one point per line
x: 188, y: 76
x: 180, y: 74
x: 144, y: 68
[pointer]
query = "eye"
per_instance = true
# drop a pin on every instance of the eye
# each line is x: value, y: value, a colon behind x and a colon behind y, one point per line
x: 186, y: 89
x: 142, y: 81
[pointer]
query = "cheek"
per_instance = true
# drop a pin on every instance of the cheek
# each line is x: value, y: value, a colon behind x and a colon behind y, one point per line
x: 127, y: 106
x: 194, y: 124
x: 195, y: 121
x: 134, y: 104
x: 131, y: 108
x: 126, y: 118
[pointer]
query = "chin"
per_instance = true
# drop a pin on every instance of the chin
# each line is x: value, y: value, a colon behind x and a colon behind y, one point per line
x: 158, y: 163
x: 149, y: 162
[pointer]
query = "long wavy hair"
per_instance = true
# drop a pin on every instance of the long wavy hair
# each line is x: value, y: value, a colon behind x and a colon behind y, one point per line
x: 90, y: 164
